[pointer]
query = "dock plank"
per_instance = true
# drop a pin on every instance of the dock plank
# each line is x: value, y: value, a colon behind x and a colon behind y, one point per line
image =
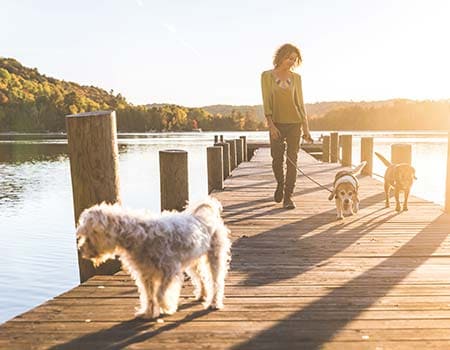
x: 299, y: 279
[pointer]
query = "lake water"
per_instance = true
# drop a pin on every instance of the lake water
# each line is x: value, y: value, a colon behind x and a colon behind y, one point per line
x: 39, y: 259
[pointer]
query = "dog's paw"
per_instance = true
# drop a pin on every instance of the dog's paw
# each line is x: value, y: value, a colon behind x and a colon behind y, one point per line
x: 398, y: 209
x: 169, y: 310
x: 340, y: 217
x: 216, y: 306
x: 201, y: 298
x: 405, y: 208
x: 144, y: 315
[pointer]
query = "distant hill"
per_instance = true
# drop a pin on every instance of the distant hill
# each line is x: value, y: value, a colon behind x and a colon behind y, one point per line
x: 32, y: 102
x: 393, y: 114
x: 314, y: 110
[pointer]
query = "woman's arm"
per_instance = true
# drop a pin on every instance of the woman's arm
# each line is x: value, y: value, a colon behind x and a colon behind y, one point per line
x: 301, y: 109
x: 266, y: 87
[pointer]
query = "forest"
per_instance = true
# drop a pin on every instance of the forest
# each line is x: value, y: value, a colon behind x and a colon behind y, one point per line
x: 33, y: 102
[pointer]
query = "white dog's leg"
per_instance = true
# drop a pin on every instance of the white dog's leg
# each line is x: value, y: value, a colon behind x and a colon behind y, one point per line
x: 218, y: 261
x: 143, y: 298
x: 200, y: 275
x: 169, y: 294
x: 147, y: 287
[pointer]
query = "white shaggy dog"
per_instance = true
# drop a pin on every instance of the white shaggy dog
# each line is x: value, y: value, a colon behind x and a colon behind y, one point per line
x: 157, y: 249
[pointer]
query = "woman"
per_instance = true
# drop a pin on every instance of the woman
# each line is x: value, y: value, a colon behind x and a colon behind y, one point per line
x: 286, y: 117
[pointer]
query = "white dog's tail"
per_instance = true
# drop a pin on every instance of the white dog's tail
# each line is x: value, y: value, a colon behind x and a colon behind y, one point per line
x: 359, y: 168
x: 384, y: 160
x: 208, y: 210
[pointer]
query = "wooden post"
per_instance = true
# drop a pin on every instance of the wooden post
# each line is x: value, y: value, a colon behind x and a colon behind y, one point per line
x: 221, y: 138
x: 239, y: 151
x: 367, y: 154
x: 244, y: 145
x: 94, y: 168
x: 401, y: 153
x: 447, y: 194
x: 216, y: 138
x: 334, y: 147
x: 173, y: 172
x: 346, y: 150
x: 233, y: 163
x: 326, y: 149
x: 215, y: 168
x: 225, y: 157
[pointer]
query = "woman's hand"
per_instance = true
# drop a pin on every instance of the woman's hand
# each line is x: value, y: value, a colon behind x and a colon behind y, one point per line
x: 307, y: 137
x: 273, y: 130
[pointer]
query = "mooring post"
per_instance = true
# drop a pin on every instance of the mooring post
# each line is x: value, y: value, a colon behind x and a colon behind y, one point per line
x: 215, y: 168
x: 94, y: 168
x: 326, y: 149
x: 334, y: 147
x: 233, y: 163
x: 244, y: 145
x: 367, y: 154
x: 239, y: 151
x: 225, y: 158
x: 401, y: 153
x: 173, y: 171
x: 216, y: 138
x: 347, y: 150
x: 447, y: 194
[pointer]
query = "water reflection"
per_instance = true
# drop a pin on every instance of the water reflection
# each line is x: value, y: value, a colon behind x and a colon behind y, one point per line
x: 17, y: 152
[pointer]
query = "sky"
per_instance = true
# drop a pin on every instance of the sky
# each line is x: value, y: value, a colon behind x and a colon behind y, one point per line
x: 203, y: 52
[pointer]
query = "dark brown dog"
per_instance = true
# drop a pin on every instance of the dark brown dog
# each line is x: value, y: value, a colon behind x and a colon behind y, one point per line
x: 400, y: 177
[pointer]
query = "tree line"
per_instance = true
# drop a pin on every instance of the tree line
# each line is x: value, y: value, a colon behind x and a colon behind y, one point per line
x: 393, y: 115
x: 32, y: 102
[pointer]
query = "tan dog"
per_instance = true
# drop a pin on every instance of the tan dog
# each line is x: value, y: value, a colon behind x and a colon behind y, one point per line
x: 345, y: 191
x: 400, y: 177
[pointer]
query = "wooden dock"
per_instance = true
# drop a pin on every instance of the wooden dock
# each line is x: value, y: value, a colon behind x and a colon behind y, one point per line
x: 299, y: 279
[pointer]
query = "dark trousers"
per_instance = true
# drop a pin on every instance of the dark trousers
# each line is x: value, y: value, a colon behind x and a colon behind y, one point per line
x: 290, y: 139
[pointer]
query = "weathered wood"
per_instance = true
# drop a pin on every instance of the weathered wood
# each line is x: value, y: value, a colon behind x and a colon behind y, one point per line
x: 367, y: 154
x: 334, y: 147
x: 299, y: 279
x: 233, y: 157
x: 94, y: 168
x: 239, y: 151
x: 346, y: 150
x: 215, y: 168
x: 174, y: 185
x: 401, y: 153
x: 225, y: 158
x: 244, y: 146
x: 326, y: 149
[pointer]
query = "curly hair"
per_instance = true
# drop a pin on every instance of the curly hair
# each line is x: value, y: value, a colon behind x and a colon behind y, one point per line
x: 284, y: 51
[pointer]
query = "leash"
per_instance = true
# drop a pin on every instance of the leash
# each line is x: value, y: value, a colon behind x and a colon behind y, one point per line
x: 307, y: 176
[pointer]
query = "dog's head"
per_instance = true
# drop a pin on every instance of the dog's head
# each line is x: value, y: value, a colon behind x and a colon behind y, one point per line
x: 95, y: 240
x: 347, y: 194
x: 404, y: 176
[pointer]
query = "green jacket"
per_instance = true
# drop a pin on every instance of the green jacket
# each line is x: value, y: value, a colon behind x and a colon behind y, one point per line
x: 297, y: 95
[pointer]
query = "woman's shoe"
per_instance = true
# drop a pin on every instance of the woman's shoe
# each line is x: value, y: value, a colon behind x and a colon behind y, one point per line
x: 279, y: 193
x: 288, y: 203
